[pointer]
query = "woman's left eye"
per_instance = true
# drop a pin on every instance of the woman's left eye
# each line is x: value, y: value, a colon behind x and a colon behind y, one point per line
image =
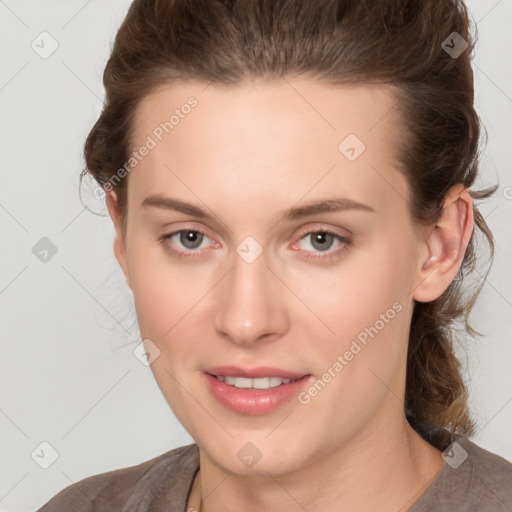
x: 323, y: 241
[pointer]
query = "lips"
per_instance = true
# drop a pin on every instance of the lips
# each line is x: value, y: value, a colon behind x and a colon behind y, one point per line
x: 248, y: 400
x: 254, y: 373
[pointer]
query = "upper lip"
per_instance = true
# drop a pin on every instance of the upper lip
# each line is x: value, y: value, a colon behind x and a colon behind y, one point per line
x: 254, y: 373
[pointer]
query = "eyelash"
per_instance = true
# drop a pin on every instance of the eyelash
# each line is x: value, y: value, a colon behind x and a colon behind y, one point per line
x: 329, y: 255
x: 325, y: 256
x: 181, y: 254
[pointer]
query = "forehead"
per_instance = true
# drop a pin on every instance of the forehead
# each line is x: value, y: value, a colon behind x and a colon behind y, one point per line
x: 285, y: 133
x: 265, y: 106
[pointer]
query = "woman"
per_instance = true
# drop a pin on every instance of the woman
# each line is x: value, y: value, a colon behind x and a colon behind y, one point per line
x: 290, y: 184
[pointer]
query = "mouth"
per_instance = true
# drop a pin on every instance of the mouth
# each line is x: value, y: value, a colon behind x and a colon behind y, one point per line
x: 254, y: 392
x: 257, y: 383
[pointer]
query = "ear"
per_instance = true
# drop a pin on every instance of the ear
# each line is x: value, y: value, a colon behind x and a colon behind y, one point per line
x: 119, y: 244
x: 445, y: 245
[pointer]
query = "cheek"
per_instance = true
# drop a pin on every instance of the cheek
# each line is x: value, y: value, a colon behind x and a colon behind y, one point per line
x: 367, y: 306
x: 367, y: 310
x: 365, y: 286
x: 164, y: 291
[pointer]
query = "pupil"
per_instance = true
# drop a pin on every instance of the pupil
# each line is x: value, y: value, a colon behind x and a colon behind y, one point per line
x: 190, y: 239
x: 322, y: 239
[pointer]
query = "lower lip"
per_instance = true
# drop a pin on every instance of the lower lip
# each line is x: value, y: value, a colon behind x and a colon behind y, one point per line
x: 254, y: 401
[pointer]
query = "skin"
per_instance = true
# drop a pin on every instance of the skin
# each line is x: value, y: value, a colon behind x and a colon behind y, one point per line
x: 247, y: 155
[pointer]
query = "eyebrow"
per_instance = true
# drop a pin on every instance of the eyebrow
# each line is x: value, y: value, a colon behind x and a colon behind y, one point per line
x: 297, y: 212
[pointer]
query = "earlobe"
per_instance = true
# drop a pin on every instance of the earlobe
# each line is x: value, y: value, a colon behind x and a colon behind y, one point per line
x: 445, y: 246
x: 119, y: 245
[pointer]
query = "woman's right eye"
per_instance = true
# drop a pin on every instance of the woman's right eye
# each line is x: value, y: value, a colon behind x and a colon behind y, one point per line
x: 185, y: 241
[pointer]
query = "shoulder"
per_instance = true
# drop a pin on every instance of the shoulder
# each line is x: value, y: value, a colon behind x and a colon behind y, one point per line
x: 490, y: 476
x: 472, y: 479
x: 158, y: 482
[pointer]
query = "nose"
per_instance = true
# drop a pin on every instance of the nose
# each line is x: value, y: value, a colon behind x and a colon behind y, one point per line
x: 251, y: 303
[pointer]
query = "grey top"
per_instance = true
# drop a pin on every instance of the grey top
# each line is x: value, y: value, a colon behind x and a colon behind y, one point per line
x: 471, y: 480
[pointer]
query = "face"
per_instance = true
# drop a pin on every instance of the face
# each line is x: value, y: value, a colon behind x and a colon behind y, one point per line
x: 241, y: 271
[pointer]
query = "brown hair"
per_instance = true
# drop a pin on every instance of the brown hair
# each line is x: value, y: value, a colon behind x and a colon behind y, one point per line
x: 396, y: 42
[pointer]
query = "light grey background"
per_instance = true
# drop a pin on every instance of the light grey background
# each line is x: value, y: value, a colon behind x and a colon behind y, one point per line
x: 68, y: 375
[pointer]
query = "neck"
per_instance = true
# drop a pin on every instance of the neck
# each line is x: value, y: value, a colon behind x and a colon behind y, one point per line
x: 388, y: 467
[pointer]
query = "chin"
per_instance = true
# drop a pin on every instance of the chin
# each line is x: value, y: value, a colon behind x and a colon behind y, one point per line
x: 255, y: 455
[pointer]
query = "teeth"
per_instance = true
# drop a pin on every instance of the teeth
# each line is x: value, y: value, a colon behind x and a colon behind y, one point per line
x: 258, y: 383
